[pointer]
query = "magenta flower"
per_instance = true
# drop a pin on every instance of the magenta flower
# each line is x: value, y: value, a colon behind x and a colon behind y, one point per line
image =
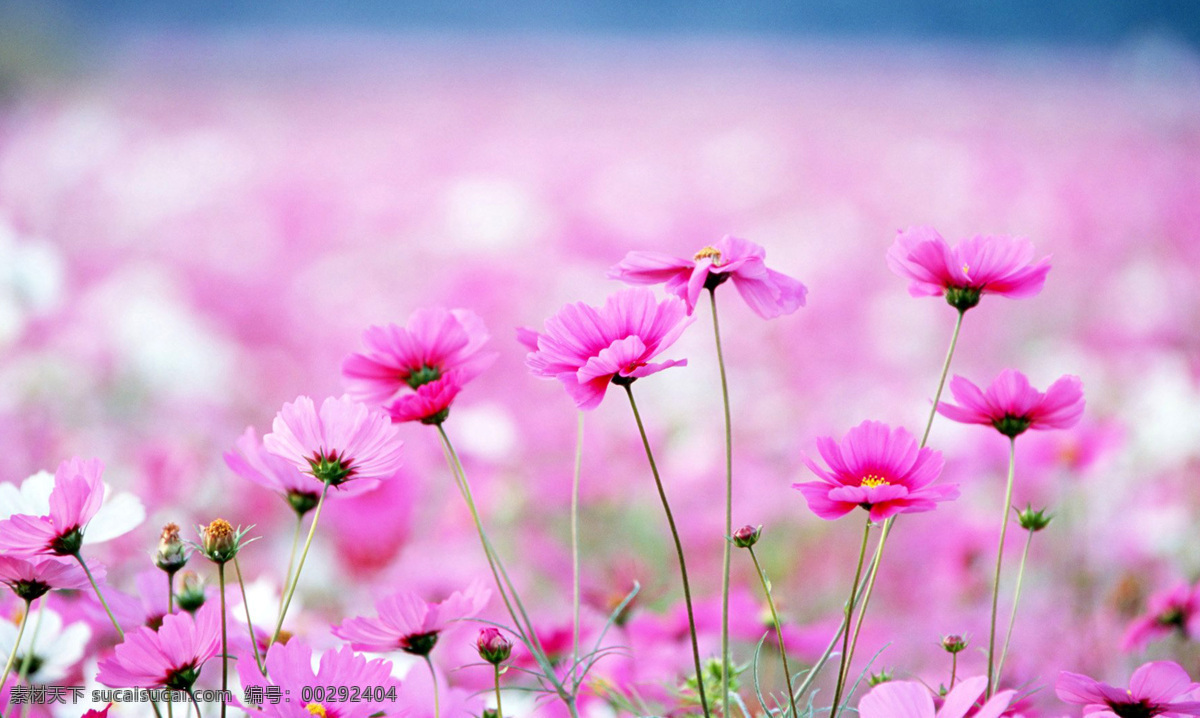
x: 984, y: 264
x: 76, y: 497
x: 414, y: 372
x: 170, y: 657
x: 587, y: 348
x: 345, y: 684
x: 34, y: 577
x: 909, y: 699
x: 409, y: 623
x: 1177, y: 609
x: 1012, y: 406
x: 877, y: 468
x: 345, y: 441
x: 1160, y: 688
x: 769, y: 293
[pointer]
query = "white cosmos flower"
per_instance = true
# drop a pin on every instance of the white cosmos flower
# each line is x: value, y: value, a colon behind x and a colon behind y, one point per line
x: 55, y: 649
x: 118, y: 515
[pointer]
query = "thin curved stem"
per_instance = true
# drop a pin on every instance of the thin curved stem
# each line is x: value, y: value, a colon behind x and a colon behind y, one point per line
x: 811, y: 675
x: 1012, y: 618
x: 249, y: 624
x: 312, y: 531
x: 170, y: 592
x: 726, y: 558
x: 844, y: 669
x: 287, y: 577
x: 499, y: 706
x: 687, y: 591
x: 195, y: 702
x: 953, y: 669
x: 787, y: 672
x: 437, y: 706
x: 993, y: 675
x: 12, y: 655
x: 575, y: 592
x: 99, y: 595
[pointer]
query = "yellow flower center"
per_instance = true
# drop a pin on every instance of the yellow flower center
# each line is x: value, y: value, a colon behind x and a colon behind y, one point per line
x: 967, y: 269
x: 709, y: 252
x: 872, y: 480
x: 316, y: 709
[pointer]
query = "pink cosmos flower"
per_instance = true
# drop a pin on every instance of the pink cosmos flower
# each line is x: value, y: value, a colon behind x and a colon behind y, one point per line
x: 769, y: 293
x: 586, y: 348
x: 76, y: 497
x: 300, y: 489
x: 344, y: 441
x: 414, y: 372
x: 409, y: 623
x: 350, y: 685
x: 170, y: 657
x: 1177, y: 609
x: 34, y: 577
x: 878, y: 468
x: 909, y: 699
x: 984, y: 264
x: 1012, y: 406
x: 1160, y: 688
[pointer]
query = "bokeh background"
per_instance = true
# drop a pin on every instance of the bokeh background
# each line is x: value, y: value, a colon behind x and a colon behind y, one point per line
x: 202, y: 206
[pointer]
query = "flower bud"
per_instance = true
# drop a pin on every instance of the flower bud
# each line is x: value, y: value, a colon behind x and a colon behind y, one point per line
x: 191, y: 592
x: 747, y: 536
x: 954, y: 643
x: 172, y: 554
x: 493, y: 646
x: 1031, y: 520
x: 881, y: 677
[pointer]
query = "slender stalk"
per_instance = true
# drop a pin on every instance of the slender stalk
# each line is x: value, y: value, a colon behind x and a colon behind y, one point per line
x: 499, y: 706
x: 195, y: 703
x: 12, y: 655
x: 287, y: 577
x: 249, y: 624
x: 574, y: 561
x: 787, y: 672
x: 312, y: 530
x: 725, y: 559
x: 170, y: 592
x: 224, y: 638
x: 953, y: 668
x: 993, y: 675
x: 99, y: 595
x: 845, y: 662
x: 687, y: 591
x: 437, y: 706
x: 1012, y: 619
x: 811, y: 675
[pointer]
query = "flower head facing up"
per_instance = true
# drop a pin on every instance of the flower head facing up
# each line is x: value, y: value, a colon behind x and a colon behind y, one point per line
x: 587, y: 348
x: 747, y: 536
x: 172, y: 553
x: 494, y: 647
x: 170, y: 657
x: 344, y: 441
x: 75, y: 499
x: 409, y: 623
x: 220, y: 542
x: 984, y: 264
x: 34, y: 577
x: 769, y: 293
x: 1160, y: 688
x: 1012, y: 406
x: 909, y: 699
x: 877, y: 468
x: 1176, y: 610
x: 191, y: 594
x: 415, y: 371
x: 290, y: 667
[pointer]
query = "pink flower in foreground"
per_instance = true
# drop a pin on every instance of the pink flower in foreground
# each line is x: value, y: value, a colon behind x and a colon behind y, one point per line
x: 1012, y: 406
x: 414, y: 372
x: 76, y: 497
x: 769, y: 293
x: 350, y: 686
x: 984, y: 264
x: 1161, y: 688
x: 909, y: 699
x: 170, y: 657
x: 300, y: 489
x: 1177, y: 609
x: 34, y: 577
x: 409, y: 623
x: 586, y: 348
x: 344, y: 441
x: 878, y: 468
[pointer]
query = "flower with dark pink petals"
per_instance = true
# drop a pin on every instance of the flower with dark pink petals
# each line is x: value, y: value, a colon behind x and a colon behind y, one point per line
x: 1160, y: 688
x: 351, y: 686
x: 77, y: 495
x: 877, y: 468
x: 1174, y: 610
x: 344, y: 441
x: 410, y: 623
x: 253, y: 462
x: 171, y: 657
x: 909, y: 699
x: 983, y: 264
x: 769, y: 293
x: 493, y: 646
x: 587, y: 348
x: 414, y: 372
x: 1013, y: 406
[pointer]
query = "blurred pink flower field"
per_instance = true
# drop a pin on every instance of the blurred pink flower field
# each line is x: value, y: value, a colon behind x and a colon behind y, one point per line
x: 193, y: 233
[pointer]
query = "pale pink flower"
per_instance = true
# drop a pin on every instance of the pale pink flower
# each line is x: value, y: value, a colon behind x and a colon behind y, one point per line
x: 983, y: 264
x: 877, y: 468
x: 410, y: 623
x: 415, y: 371
x: 33, y: 577
x: 909, y: 699
x: 344, y: 441
x: 1176, y: 609
x: 769, y: 293
x: 1160, y: 688
x: 344, y: 685
x: 171, y: 657
x: 587, y: 348
x: 77, y: 495
x: 1012, y: 406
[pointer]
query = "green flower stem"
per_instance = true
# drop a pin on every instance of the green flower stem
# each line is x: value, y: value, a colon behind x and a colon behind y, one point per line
x: 195, y: 703
x: 99, y: 595
x: 993, y: 674
x: 725, y: 559
x: 953, y: 669
x: 287, y: 577
x: 312, y: 530
x: 575, y: 592
x: 437, y: 706
x: 499, y: 706
x: 170, y: 592
x: 787, y: 672
x: 224, y: 638
x: 687, y: 591
x: 844, y: 669
x: 249, y: 624
x: 1012, y: 618
x: 12, y: 655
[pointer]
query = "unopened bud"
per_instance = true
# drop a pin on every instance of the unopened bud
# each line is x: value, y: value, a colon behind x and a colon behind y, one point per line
x: 881, y: 677
x: 493, y: 646
x: 1031, y: 520
x: 218, y: 541
x: 954, y: 643
x: 747, y: 536
x: 172, y: 554
x: 191, y: 592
